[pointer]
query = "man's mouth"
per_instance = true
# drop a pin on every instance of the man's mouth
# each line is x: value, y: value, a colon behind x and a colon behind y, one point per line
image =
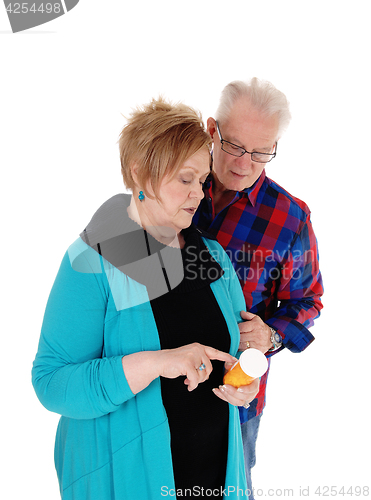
x: 238, y: 176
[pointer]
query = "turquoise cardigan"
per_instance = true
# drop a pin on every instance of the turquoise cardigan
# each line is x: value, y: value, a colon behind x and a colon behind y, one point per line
x: 110, y: 443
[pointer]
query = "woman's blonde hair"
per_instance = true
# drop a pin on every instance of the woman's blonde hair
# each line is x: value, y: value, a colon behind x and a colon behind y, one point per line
x: 157, y: 139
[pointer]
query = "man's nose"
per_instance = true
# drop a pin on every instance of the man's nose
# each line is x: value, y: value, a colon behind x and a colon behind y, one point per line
x: 244, y: 161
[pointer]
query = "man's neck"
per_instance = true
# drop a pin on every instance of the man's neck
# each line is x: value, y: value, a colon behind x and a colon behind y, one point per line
x: 221, y: 196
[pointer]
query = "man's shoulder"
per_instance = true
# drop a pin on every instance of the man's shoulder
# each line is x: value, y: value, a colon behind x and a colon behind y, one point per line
x: 285, y: 200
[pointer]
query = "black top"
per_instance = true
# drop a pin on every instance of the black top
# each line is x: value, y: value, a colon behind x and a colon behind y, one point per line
x: 198, y: 419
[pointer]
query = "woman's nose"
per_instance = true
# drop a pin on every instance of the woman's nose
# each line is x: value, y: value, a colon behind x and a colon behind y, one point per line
x: 197, y: 192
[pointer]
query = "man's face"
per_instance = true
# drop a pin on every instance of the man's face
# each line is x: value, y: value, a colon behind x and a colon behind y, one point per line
x: 245, y: 127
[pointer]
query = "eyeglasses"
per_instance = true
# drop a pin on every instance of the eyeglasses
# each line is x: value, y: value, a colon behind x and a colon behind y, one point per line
x: 235, y: 150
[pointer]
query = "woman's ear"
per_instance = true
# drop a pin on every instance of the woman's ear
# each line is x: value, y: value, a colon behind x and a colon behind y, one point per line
x: 134, y: 173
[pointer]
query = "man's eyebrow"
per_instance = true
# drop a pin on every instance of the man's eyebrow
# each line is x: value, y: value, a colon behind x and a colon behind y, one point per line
x: 255, y: 150
x: 262, y: 150
x: 234, y: 141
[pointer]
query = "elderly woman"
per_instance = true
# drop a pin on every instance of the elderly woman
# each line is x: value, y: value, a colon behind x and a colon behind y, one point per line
x: 139, y: 324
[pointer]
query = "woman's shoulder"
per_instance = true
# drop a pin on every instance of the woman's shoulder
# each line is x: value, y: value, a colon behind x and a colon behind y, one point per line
x: 83, y: 258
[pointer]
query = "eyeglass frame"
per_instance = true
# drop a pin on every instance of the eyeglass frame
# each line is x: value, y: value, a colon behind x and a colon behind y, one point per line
x: 222, y: 141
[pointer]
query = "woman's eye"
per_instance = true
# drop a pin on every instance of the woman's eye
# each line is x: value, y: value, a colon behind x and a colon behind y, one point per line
x: 185, y: 181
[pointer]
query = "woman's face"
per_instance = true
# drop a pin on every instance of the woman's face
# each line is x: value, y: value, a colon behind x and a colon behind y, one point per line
x: 179, y: 195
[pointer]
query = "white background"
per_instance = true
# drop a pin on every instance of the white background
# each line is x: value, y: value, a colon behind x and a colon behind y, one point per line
x: 63, y: 89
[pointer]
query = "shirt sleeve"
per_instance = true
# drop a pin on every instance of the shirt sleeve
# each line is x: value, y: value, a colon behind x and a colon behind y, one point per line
x: 70, y: 374
x: 299, y: 292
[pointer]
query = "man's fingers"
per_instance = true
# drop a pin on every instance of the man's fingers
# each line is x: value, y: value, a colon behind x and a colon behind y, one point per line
x: 246, y: 327
x: 247, y: 315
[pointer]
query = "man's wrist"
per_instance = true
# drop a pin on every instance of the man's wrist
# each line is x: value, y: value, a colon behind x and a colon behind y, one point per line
x: 276, y: 340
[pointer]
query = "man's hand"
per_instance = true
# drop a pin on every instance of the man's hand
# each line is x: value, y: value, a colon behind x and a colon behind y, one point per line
x: 255, y: 332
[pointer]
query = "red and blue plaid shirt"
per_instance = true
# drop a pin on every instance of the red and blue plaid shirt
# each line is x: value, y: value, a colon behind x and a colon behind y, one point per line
x: 268, y: 235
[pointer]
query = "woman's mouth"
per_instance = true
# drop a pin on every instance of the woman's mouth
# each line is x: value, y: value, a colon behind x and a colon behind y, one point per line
x: 190, y: 210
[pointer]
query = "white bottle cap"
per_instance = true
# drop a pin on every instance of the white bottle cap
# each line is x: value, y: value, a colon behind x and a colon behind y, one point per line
x: 253, y: 362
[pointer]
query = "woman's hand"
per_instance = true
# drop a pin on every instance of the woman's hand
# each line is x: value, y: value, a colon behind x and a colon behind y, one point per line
x: 188, y: 359
x: 238, y: 397
x: 142, y: 367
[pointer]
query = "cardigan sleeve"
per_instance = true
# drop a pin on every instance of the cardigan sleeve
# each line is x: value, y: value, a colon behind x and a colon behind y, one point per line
x: 70, y: 374
x: 229, y: 278
x: 231, y: 299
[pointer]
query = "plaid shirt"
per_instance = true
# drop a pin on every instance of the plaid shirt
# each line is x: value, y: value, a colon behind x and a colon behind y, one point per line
x: 268, y: 236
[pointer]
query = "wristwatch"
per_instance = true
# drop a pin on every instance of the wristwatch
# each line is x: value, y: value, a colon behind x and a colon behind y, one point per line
x: 276, y: 340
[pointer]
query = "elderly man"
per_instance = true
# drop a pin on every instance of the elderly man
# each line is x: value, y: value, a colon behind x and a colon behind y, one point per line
x: 266, y: 232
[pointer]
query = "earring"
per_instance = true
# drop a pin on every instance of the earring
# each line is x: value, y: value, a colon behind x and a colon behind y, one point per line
x: 141, y: 196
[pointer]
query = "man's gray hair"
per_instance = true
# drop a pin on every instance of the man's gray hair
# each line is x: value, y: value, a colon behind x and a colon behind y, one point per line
x: 262, y: 95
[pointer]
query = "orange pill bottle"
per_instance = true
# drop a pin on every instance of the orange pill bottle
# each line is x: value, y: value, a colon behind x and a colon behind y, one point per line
x: 251, y: 365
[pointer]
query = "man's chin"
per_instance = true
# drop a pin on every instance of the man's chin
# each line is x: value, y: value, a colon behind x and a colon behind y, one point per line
x: 234, y: 183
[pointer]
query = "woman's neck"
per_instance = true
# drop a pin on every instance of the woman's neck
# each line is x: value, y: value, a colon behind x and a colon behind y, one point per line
x: 167, y: 236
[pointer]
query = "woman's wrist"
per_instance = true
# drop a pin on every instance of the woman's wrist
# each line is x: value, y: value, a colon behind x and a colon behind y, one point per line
x: 141, y: 368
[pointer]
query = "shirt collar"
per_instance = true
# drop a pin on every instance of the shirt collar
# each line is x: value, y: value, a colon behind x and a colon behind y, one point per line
x: 251, y: 192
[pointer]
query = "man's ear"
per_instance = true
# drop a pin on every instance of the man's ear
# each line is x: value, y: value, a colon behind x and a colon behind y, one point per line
x: 211, y: 126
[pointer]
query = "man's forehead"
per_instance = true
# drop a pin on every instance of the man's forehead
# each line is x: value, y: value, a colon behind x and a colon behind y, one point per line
x: 245, y: 120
